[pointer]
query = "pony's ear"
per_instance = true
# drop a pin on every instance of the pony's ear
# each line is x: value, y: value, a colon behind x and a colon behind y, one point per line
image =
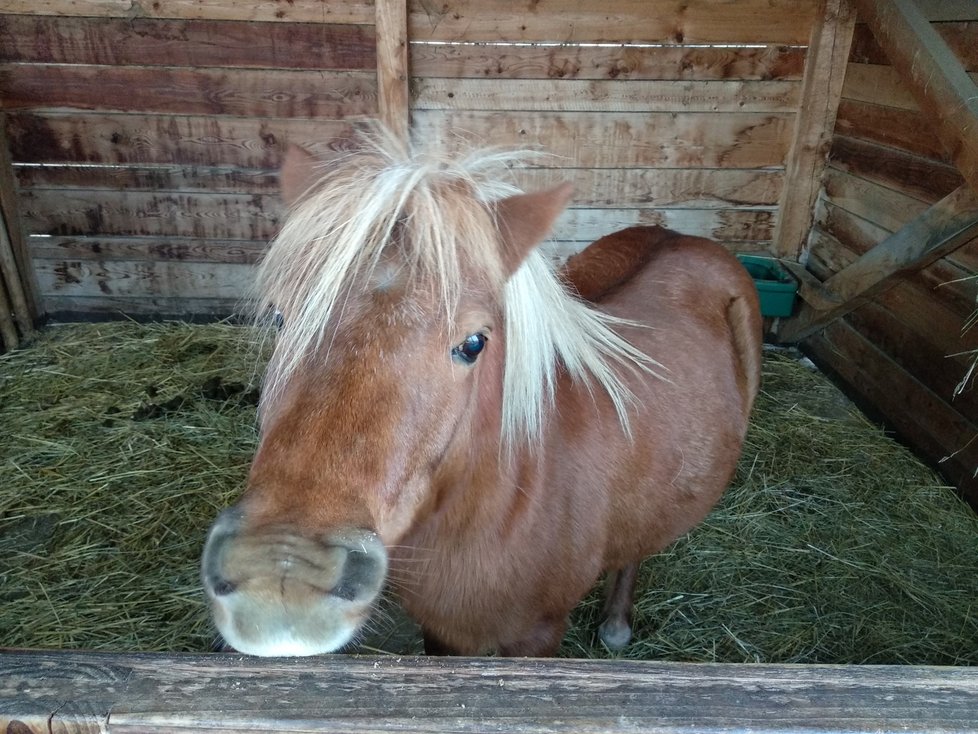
x: 298, y: 173
x: 524, y: 220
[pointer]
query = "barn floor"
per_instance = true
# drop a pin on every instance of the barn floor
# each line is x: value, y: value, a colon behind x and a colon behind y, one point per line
x: 122, y: 441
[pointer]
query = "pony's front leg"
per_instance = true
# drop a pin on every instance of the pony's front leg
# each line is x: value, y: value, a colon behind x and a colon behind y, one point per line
x: 616, y: 629
x: 542, y: 641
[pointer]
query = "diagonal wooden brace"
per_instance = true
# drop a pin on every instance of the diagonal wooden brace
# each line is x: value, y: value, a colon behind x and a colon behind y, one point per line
x: 940, y: 230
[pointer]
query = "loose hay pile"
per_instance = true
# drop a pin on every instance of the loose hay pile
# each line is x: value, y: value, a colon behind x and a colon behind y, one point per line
x: 121, y: 443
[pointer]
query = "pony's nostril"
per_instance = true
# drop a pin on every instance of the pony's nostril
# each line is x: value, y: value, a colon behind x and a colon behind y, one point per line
x: 345, y: 590
x: 223, y: 587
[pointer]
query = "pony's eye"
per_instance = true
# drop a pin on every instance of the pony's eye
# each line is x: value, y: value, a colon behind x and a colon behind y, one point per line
x: 469, y: 349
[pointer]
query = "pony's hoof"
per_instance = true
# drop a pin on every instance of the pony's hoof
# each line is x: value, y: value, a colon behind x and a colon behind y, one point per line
x: 615, y: 634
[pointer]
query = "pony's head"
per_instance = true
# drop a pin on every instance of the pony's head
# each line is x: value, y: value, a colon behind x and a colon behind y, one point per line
x: 421, y: 333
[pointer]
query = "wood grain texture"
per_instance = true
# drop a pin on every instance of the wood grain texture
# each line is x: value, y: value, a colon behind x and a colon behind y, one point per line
x: 295, y: 11
x: 79, y: 212
x: 568, y: 21
x: 22, y: 293
x: 922, y: 418
x: 891, y: 126
x: 191, y: 42
x: 118, y: 138
x: 601, y: 95
x: 828, y: 52
x: 886, y: 207
x: 620, y: 139
x: 171, y: 279
x: 916, y: 176
x: 147, y: 248
x: 393, y: 103
x: 177, y: 179
x: 610, y: 140
x: 143, y: 308
x: 621, y: 63
x: 240, y: 92
x: 942, y: 88
x: 941, y: 229
x: 584, y: 225
x: 128, y: 693
x: 961, y: 37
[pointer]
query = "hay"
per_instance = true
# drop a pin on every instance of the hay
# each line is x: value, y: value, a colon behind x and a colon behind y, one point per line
x: 121, y: 443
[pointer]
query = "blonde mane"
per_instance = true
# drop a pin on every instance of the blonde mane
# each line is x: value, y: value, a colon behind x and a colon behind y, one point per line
x: 437, y: 208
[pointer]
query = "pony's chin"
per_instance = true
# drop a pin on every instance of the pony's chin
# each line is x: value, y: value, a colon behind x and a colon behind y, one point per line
x: 285, y: 645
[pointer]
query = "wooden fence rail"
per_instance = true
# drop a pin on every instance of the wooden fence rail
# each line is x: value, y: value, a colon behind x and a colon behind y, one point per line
x: 87, y: 692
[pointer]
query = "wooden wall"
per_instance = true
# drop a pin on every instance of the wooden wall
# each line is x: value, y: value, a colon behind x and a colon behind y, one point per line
x: 145, y: 141
x: 905, y: 351
x: 691, y: 136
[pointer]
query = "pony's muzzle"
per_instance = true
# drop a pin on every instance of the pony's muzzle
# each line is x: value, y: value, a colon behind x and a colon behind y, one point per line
x: 274, y: 592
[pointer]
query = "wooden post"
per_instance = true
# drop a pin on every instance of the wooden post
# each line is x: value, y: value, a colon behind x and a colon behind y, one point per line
x: 8, y: 330
x: 940, y: 230
x: 825, y: 70
x: 392, y: 65
x: 936, y: 78
x: 15, y: 265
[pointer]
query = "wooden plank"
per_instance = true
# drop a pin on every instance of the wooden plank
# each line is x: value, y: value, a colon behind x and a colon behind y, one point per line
x: 938, y: 82
x: 881, y: 85
x: 149, y: 308
x: 23, y: 289
x: 828, y: 51
x: 942, y: 228
x: 618, y: 21
x: 932, y: 321
x: 858, y: 234
x: 621, y: 140
x: 179, y: 179
x: 75, y: 692
x: 254, y: 216
x: 913, y: 175
x: 948, y: 10
x: 890, y: 126
x: 583, y: 226
x: 241, y: 92
x: 613, y: 140
x: 9, y: 338
x: 886, y: 207
x: 826, y: 255
x: 600, y: 96
x: 961, y: 37
x: 966, y: 256
x: 295, y: 11
x: 142, y: 278
x: 392, y: 66
x: 694, y: 188
x: 920, y: 417
x: 190, y: 42
x: 68, y: 212
x: 488, y: 61
x: 40, y: 137
x: 146, y: 248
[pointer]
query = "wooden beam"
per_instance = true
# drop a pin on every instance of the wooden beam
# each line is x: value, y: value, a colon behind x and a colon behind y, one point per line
x: 943, y: 228
x: 392, y: 65
x: 825, y: 70
x: 15, y: 267
x: 935, y: 76
x: 84, y: 692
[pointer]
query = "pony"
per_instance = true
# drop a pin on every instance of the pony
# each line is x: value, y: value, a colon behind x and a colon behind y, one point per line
x: 447, y: 413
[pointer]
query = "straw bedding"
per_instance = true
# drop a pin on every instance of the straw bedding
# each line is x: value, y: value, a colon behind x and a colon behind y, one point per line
x: 121, y: 442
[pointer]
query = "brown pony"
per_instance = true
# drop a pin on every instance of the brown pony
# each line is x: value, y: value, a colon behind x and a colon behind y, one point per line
x: 441, y: 410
